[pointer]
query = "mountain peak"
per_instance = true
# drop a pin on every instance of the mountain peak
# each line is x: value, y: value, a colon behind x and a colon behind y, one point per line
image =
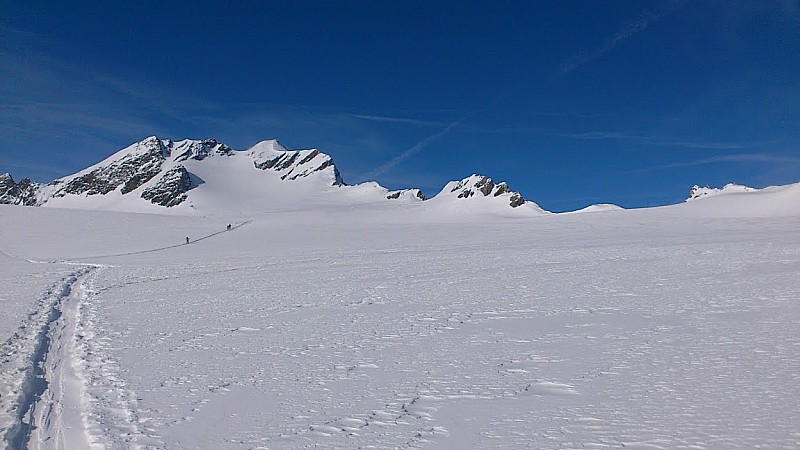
x: 697, y: 192
x: 294, y: 164
x: 479, y: 186
x: 268, y: 145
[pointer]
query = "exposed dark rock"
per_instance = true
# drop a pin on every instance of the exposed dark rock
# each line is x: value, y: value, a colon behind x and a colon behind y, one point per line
x: 140, y: 178
x: 290, y: 162
x: 485, y: 186
x: 310, y: 156
x: 696, y: 191
x: 267, y: 164
x: 502, y: 188
x: 199, y: 150
x: 22, y: 193
x: 466, y: 193
x: 337, y: 177
x: 280, y: 162
x: 475, y: 184
x: 396, y: 194
x: 516, y: 200
x: 171, y: 189
x: 130, y: 172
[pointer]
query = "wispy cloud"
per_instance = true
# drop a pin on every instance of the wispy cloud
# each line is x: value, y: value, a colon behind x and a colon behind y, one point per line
x: 416, y: 148
x: 645, y: 19
x: 654, y: 140
x: 43, y: 92
x: 767, y: 158
x: 404, y: 120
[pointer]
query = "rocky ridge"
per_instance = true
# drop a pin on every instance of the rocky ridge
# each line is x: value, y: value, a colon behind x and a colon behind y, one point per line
x: 697, y: 192
x: 22, y: 193
x: 479, y: 185
x: 171, y: 188
x: 406, y: 193
x: 159, y: 171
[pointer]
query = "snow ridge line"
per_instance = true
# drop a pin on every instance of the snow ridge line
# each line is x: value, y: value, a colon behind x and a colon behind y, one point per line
x: 23, y: 355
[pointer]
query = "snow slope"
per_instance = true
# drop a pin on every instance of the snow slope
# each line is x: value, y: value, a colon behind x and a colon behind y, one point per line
x: 600, y: 207
x: 698, y: 192
x: 356, y: 326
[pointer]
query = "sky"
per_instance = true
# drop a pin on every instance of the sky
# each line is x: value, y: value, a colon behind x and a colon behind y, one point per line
x: 570, y: 102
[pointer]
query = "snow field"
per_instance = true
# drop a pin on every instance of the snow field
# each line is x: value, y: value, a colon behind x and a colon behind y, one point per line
x: 644, y: 329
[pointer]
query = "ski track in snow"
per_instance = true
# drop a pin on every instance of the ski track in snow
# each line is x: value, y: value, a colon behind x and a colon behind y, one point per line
x: 609, y: 341
x: 61, y: 389
x: 24, y: 356
x: 55, y: 360
x: 151, y: 250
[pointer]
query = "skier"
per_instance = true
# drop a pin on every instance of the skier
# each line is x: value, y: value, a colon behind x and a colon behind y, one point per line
x: 229, y: 227
x: 187, y: 239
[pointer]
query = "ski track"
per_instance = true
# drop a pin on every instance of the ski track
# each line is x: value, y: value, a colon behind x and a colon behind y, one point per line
x: 151, y: 250
x: 24, y: 355
x: 70, y: 393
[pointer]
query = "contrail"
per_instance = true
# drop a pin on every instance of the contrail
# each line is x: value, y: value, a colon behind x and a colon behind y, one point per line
x: 646, y: 19
x: 397, y: 120
x: 410, y: 151
x: 743, y: 157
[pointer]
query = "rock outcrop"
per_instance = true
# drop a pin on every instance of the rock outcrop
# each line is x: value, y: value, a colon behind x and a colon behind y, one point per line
x: 22, y: 193
x: 697, y: 192
x: 479, y: 185
x: 198, y: 150
x: 406, y: 193
x: 129, y: 172
x: 170, y: 190
x: 294, y: 164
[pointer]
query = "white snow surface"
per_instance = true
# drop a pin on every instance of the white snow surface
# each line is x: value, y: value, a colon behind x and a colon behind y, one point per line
x: 347, y: 326
x: 599, y: 207
x: 698, y: 192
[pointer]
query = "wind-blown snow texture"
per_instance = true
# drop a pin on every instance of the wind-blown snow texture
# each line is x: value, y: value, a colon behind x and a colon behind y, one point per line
x: 352, y: 326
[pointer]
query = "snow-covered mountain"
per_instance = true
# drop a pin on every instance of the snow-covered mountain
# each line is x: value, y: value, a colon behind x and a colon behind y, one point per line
x: 698, y: 192
x: 208, y: 176
x: 477, y: 185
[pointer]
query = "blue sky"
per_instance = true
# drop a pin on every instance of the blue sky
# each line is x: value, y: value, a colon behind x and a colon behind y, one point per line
x: 570, y: 102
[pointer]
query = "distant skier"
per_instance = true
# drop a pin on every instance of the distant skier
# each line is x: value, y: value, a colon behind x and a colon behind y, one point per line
x: 229, y: 227
x: 187, y: 239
